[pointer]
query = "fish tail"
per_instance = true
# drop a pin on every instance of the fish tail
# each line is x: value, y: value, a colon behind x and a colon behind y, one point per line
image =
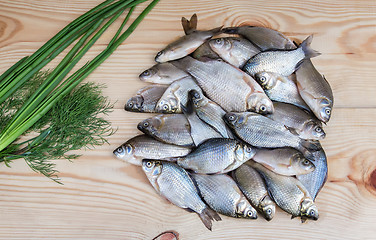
x: 189, y: 25
x: 207, y: 216
x: 231, y: 30
x: 306, y: 47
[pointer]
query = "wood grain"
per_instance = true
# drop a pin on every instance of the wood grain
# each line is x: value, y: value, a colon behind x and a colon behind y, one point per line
x: 105, y: 198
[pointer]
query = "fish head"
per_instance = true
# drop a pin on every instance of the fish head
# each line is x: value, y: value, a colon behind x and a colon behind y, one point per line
x: 134, y: 104
x: 309, y: 209
x: 249, y: 151
x: 312, y: 130
x: 197, y: 97
x: 149, y: 74
x: 150, y: 125
x: 260, y: 103
x: 231, y: 119
x: 124, y: 152
x: 152, y: 169
x: 220, y: 45
x: 245, y: 210
x: 268, y: 207
x: 168, y: 105
x: 266, y: 79
x: 325, y: 110
x: 302, y: 163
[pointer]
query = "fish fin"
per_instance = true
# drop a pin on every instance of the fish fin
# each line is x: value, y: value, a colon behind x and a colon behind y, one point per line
x: 231, y: 30
x: 217, y: 30
x: 292, y: 217
x: 207, y: 216
x: 303, y: 219
x: 306, y: 47
x: 189, y: 109
x: 188, y: 210
x: 185, y: 24
x: 292, y: 130
x: 282, y: 79
x: 193, y: 22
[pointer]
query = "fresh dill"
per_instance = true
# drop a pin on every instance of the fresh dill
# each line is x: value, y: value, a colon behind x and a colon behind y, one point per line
x: 75, y: 122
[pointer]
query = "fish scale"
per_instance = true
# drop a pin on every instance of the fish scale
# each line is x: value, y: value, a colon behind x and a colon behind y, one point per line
x: 173, y: 178
x: 220, y: 80
x: 217, y: 155
x: 263, y: 132
x: 284, y: 190
x: 251, y: 183
x: 220, y: 192
x: 166, y: 127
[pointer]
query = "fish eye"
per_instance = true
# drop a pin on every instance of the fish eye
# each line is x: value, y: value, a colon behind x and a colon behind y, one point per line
x: 262, y: 79
x: 218, y: 41
x: 165, y: 107
x: 119, y: 149
x: 146, y: 73
x: 262, y: 108
x: 306, y: 162
x: 312, y: 213
x: 231, y: 117
x: 248, y: 149
x: 196, y: 95
x: 327, y: 111
x: 159, y: 53
x: 130, y: 104
x: 146, y: 124
x: 149, y: 164
x: 318, y: 129
x: 269, y: 211
x: 249, y: 214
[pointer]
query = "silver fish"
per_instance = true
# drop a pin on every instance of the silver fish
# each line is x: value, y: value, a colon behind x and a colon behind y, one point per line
x: 222, y: 194
x: 200, y: 131
x: 204, y: 50
x: 280, y: 88
x: 168, y: 128
x: 305, y: 124
x: 289, y: 194
x: 315, y: 90
x: 146, y: 99
x: 254, y: 189
x: 260, y: 131
x: 162, y: 73
x: 315, y: 180
x: 176, y: 95
x: 219, y: 155
x: 227, y: 85
x: 185, y: 45
x: 234, y: 50
x: 283, y: 62
x: 173, y: 183
x: 284, y: 161
x: 210, y: 112
x: 264, y: 38
x: 142, y: 146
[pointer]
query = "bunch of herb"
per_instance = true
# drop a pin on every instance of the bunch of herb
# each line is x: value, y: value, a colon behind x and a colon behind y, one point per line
x: 35, y: 109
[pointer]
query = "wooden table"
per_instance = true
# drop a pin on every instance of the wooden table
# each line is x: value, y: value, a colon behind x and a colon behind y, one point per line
x: 105, y: 198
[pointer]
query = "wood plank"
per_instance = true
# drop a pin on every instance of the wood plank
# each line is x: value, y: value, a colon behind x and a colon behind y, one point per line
x: 333, y: 24
x: 105, y: 198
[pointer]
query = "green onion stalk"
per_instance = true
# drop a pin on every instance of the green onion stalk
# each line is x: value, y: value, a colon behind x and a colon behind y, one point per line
x: 85, y: 30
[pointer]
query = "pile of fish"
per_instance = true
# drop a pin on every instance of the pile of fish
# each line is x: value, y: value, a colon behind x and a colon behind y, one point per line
x: 240, y: 113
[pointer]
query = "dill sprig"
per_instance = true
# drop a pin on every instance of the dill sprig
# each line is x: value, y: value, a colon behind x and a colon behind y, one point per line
x: 76, y: 122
